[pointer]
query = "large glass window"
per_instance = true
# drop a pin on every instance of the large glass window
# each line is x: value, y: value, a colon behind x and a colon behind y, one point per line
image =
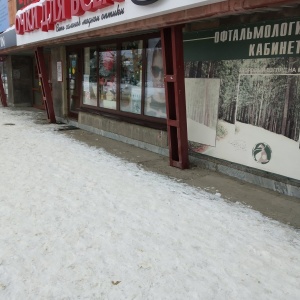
x: 126, y: 77
x: 108, y: 76
x: 155, y: 102
x: 89, y: 83
x: 131, y: 77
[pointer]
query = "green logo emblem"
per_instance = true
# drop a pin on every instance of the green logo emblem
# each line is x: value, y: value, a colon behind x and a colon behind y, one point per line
x: 262, y: 153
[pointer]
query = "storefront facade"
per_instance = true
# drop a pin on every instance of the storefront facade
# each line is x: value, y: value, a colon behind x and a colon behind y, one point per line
x: 109, y: 72
x: 119, y: 75
x: 252, y: 115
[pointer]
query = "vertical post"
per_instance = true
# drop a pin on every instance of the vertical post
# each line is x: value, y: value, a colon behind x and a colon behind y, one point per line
x: 172, y: 47
x: 2, y: 92
x: 45, y: 86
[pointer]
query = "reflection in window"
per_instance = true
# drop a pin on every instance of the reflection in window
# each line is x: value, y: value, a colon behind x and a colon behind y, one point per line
x: 72, y: 81
x: 108, y: 76
x: 126, y: 77
x: 155, y: 102
x: 89, y: 84
x: 131, y: 77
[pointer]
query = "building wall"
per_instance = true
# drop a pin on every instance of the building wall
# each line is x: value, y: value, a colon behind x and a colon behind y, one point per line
x: 4, y: 15
x: 12, y: 11
x: 147, y: 138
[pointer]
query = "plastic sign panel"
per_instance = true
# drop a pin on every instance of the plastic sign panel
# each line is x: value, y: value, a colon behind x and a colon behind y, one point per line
x: 8, y: 39
x: 51, y: 19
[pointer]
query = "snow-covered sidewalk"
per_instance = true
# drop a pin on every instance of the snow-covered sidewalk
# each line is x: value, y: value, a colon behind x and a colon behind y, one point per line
x: 78, y: 223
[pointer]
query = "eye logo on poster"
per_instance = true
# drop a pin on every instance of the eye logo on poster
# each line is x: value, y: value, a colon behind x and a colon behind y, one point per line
x: 262, y: 153
x: 143, y: 2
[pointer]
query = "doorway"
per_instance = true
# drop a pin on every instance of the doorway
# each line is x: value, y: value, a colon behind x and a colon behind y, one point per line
x: 74, y: 82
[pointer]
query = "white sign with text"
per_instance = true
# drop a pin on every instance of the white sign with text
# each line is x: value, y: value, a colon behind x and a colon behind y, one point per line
x: 67, y: 17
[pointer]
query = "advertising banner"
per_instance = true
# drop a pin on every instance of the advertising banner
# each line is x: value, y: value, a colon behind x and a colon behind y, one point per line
x: 258, y: 85
x: 264, y: 40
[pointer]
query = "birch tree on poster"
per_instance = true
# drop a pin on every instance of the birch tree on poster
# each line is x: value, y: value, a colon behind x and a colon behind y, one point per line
x: 202, y: 99
x: 268, y: 98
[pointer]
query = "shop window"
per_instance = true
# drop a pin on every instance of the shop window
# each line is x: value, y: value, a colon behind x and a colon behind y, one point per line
x: 125, y: 78
x: 131, y: 77
x: 89, y: 84
x: 155, y: 102
x: 108, y: 76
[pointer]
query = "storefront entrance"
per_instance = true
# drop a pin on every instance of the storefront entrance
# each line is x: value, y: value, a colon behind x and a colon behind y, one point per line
x: 74, y: 82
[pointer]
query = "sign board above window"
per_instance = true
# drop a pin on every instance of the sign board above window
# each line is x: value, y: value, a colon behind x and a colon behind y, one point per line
x: 260, y: 40
x: 67, y: 17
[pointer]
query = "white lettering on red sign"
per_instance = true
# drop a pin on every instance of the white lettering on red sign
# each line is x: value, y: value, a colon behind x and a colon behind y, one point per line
x: 45, y: 15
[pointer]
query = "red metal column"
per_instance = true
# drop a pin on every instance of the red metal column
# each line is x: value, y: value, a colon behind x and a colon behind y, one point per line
x: 172, y: 45
x: 2, y: 93
x: 46, y: 90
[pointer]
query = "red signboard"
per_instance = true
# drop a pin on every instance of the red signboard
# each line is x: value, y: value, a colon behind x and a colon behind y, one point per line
x: 50, y: 12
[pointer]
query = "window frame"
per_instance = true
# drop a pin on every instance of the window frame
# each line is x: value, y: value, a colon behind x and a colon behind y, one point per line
x: 118, y: 114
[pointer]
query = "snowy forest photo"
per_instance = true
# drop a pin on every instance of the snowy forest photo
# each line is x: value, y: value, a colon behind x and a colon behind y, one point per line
x: 258, y: 112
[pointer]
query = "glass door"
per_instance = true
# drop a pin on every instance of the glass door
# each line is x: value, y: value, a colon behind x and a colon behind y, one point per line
x: 74, y: 83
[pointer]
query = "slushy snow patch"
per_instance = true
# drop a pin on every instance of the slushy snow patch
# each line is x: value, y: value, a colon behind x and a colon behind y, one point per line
x: 78, y: 223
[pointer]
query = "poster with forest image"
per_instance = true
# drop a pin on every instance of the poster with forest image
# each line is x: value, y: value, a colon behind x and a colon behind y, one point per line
x: 258, y: 112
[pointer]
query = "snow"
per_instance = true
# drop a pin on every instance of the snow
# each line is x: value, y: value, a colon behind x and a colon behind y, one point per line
x: 79, y: 223
x: 201, y: 133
